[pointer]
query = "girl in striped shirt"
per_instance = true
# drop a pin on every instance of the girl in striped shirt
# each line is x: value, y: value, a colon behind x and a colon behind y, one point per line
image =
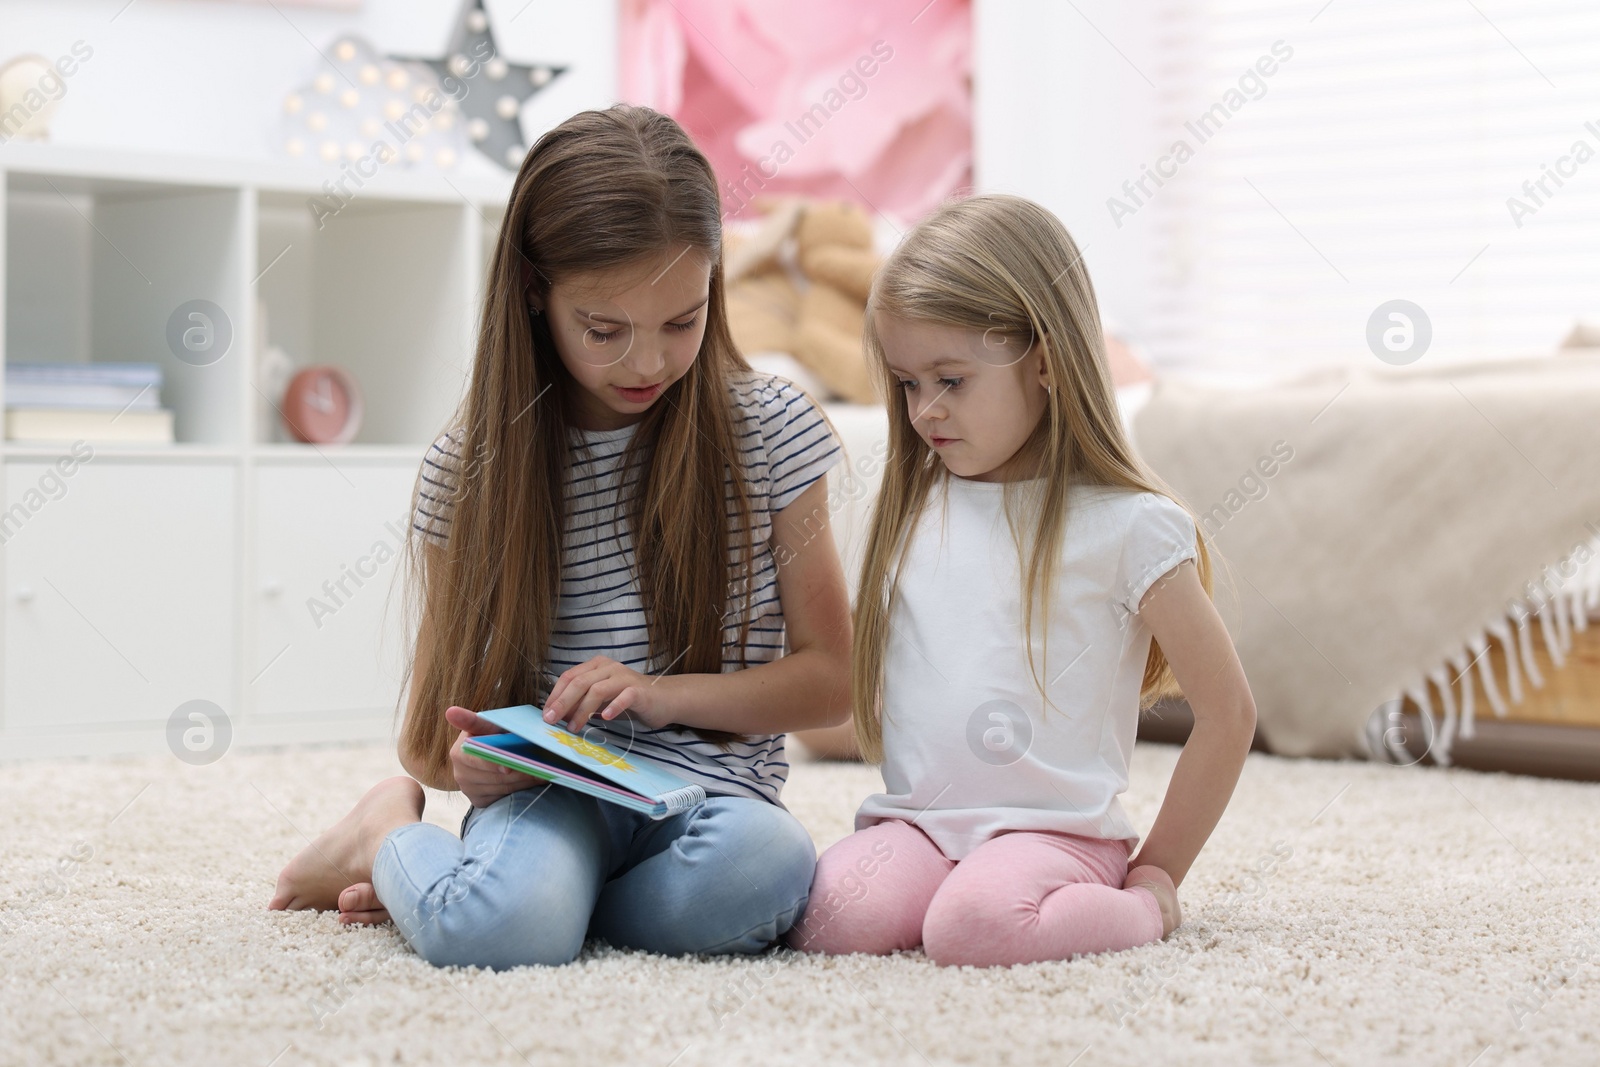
x: 621, y: 526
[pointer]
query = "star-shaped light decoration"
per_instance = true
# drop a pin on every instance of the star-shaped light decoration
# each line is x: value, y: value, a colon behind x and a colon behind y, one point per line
x: 495, y: 89
x: 364, y: 110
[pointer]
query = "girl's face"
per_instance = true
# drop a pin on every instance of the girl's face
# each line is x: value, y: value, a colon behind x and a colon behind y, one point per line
x: 626, y: 334
x: 974, y: 396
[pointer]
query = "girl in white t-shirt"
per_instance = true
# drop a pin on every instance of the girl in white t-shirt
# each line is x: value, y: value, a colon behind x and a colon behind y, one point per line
x: 1021, y: 559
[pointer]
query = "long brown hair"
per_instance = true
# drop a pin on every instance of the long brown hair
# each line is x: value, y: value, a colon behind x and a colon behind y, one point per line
x: 603, y: 190
x: 1004, y: 265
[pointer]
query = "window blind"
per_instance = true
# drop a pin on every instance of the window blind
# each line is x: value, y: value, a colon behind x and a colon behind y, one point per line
x: 1444, y: 152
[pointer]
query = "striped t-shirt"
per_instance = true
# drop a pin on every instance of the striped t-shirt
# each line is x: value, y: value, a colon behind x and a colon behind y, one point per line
x: 784, y: 445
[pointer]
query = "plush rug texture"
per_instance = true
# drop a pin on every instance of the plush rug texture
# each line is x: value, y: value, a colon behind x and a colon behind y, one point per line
x: 1343, y: 913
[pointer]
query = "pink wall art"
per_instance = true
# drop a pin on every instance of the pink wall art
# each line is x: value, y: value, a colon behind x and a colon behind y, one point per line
x: 863, y: 100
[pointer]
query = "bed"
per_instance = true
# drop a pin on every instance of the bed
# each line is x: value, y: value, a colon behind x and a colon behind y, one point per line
x: 1419, y: 578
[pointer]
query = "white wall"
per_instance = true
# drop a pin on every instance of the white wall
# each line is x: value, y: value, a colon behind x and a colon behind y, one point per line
x: 208, y: 77
x: 1062, y: 118
x: 1060, y: 115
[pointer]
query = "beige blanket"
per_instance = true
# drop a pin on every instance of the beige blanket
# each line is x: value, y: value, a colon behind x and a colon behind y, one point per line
x: 1378, y: 526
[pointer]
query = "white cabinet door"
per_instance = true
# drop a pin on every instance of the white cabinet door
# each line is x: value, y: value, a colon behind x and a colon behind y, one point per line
x: 119, y: 587
x: 328, y: 606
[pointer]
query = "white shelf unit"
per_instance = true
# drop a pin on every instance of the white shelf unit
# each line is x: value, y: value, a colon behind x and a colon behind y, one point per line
x: 151, y: 575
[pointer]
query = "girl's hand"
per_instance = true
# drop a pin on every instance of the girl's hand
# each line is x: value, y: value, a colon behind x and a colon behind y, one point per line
x: 481, y: 781
x: 1161, y: 886
x: 602, y: 686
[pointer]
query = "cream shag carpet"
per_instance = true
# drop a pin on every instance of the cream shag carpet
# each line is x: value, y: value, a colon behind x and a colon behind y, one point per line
x: 1344, y: 913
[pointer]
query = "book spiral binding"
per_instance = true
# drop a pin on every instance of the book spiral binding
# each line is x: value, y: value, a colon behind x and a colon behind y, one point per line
x: 681, y: 800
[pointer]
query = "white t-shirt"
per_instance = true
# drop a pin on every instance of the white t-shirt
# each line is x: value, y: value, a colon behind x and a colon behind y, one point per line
x: 970, y: 750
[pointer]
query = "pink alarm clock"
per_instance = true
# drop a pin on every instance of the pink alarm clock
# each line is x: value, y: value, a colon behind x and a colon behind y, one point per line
x: 322, y: 406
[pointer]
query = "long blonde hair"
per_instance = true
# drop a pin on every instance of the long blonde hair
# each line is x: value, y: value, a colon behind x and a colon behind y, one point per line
x: 604, y: 189
x: 1004, y: 265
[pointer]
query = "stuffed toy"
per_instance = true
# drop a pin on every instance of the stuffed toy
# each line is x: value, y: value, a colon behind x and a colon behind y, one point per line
x: 798, y: 284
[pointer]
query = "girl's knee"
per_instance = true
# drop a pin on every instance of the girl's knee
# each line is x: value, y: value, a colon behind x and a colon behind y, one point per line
x: 444, y: 947
x: 488, y: 928
x: 831, y: 926
x: 845, y: 914
x: 740, y: 876
x: 510, y: 901
x: 763, y: 834
x: 794, y: 868
x: 770, y: 852
x: 966, y: 926
x: 781, y: 859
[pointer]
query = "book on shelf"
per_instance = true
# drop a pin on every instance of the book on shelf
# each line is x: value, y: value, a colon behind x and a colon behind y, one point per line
x: 57, y: 401
x: 90, y: 424
x: 136, y: 386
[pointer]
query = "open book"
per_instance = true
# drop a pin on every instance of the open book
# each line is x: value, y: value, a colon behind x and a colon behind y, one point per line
x: 587, y: 764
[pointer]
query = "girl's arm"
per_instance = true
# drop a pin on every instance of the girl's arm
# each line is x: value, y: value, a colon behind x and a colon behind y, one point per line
x: 1185, y: 623
x: 809, y: 687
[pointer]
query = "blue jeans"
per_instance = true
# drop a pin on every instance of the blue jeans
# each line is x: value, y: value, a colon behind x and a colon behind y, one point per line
x: 538, y: 871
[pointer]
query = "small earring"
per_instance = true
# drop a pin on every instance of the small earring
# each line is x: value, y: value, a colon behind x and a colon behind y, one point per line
x: 536, y: 310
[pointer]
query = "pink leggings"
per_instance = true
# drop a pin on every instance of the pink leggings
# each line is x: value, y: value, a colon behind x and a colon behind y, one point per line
x: 1020, y: 897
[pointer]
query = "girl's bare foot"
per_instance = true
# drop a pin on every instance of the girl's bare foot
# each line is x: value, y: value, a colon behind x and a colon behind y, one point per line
x: 1159, y: 883
x: 359, y: 904
x: 343, y: 855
